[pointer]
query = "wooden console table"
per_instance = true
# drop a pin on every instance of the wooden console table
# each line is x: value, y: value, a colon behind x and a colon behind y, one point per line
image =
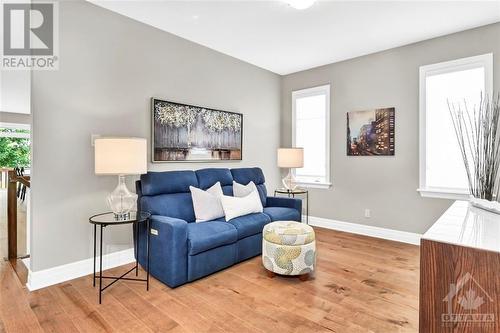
x: 460, y: 272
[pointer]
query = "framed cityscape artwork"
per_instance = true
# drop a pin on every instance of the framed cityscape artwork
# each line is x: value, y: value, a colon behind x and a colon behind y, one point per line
x: 370, y: 132
x: 191, y: 133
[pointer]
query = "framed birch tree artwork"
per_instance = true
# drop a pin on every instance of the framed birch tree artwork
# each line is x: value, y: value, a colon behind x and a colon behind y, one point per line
x: 191, y: 133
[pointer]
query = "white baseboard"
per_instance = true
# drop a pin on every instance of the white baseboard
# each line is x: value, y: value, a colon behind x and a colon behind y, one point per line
x: 26, y: 262
x: 366, y: 230
x: 58, y: 274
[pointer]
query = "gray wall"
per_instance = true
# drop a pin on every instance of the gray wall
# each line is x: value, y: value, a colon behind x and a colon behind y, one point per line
x: 110, y: 67
x: 386, y: 185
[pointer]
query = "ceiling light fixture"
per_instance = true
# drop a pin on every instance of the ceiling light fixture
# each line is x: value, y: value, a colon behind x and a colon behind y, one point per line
x: 300, y: 4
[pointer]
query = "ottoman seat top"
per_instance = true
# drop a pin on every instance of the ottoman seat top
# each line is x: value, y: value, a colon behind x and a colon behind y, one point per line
x: 288, y: 233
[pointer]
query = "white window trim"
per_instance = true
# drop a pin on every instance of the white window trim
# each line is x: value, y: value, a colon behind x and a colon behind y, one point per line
x: 318, y: 185
x: 486, y: 61
x: 314, y: 91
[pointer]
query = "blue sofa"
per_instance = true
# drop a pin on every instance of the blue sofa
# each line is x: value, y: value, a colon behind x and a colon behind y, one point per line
x: 183, y: 250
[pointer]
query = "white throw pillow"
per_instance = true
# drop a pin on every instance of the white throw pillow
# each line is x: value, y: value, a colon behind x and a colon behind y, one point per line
x: 207, y: 204
x: 240, y: 190
x: 235, y: 207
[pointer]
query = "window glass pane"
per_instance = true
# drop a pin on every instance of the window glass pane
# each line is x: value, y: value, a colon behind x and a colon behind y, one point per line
x: 310, y: 133
x: 14, y: 148
x: 445, y: 167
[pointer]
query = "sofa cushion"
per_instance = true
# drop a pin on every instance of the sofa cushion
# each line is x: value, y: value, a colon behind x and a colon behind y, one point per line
x: 235, y: 207
x: 241, y: 191
x: 207, y: 204
x: 178, y: 205
x: 247, y: 175
x: 204, y: 236
x: 282, y: 214
x: 250, y: 224
x: 209, y: 176
x: 154, y: 183
x: 227, y: 190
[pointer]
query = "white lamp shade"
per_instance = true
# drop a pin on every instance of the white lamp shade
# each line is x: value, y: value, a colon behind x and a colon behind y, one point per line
x: 290, y: 157
x: 120, y: 156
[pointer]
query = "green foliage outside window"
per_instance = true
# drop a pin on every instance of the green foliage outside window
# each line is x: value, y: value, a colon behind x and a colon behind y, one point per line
x: 14, y: 152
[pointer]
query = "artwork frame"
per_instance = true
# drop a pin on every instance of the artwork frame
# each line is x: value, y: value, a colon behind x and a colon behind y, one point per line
x: 194, y: 131
x: 371, y: 132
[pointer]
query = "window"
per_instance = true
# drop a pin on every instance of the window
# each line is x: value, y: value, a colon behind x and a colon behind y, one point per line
x: 442, y: 173
x: 14, y: 145
x: 311, y: 131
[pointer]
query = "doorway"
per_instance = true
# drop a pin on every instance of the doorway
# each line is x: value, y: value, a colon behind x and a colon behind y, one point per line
x: 15, y: 164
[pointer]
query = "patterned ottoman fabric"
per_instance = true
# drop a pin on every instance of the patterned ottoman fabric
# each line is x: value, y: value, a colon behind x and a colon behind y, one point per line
x: 288, y: 233
x: 289, y: 248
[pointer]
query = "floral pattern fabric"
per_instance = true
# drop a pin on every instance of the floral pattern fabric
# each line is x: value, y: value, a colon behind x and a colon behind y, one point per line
x: 289, y: 248
x: 288, y: 233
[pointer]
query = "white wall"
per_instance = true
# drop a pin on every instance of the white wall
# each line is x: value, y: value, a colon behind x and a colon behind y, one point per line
x: 110, y: 67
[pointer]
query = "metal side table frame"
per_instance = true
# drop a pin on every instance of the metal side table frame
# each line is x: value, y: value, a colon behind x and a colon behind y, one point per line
x: 107, y: 219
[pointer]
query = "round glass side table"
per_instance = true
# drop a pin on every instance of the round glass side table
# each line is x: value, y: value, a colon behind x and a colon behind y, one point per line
x: 108, y: 219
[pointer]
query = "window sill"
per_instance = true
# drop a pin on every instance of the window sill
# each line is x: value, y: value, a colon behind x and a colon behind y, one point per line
x: 444, y: 193
x: 313, y: 185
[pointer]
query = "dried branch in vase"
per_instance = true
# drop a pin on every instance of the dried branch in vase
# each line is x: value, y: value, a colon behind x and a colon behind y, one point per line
x: 478, y: 136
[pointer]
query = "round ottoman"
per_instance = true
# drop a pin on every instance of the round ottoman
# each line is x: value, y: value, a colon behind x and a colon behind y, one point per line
x: 288, y: 248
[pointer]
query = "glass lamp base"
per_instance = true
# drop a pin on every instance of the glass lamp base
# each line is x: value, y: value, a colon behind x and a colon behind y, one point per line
x: 289, y: 181
x: 122, y: 217
x: 121, y: 201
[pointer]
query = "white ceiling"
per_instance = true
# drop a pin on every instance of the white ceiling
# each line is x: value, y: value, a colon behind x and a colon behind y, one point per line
x: 277, y: 37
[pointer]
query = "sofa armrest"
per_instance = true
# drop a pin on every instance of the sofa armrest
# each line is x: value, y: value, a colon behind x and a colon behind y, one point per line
x: 169, y: 250
x: 285, y: 202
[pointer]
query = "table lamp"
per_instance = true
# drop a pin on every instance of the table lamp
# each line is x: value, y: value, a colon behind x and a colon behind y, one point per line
x: 121, y: 157
x: 290, y: 158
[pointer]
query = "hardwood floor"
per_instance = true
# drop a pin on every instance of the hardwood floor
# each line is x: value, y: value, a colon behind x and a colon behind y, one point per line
x: 362, y: 284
